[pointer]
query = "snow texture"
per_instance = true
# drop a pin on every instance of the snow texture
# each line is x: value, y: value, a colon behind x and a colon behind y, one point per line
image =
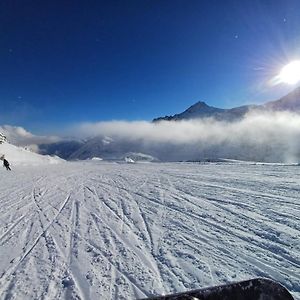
x: 22, y: 156
x: 99, y: 230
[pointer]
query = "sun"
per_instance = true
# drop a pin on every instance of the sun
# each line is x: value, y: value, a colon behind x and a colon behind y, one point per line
x: 290, y: 73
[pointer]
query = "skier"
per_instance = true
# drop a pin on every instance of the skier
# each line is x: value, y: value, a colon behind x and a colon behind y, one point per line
x: 6, y: 164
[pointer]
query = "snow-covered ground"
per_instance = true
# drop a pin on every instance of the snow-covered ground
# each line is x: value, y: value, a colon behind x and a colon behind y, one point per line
x: 21, y: 156
x: 98, y: 230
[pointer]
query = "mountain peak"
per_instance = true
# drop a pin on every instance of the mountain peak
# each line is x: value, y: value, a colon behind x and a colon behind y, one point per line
x: 198, y: 110
x: 290, y: 102
x: 198, y: 105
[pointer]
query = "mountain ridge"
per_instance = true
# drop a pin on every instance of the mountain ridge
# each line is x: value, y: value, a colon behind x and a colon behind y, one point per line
x: 289, y: 102
x: 169, y: 148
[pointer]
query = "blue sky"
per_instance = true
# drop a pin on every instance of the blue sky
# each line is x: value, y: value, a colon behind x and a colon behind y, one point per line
x: 64, y: 62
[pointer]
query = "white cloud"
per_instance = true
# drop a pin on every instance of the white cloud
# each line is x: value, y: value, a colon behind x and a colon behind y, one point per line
x: 21, y: 137
x: 258, y: 136
x: 272, y: 137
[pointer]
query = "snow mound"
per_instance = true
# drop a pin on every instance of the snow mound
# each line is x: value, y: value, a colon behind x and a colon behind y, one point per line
x: 140, y: 157
x: 129, y: 160
x: 96, y: 158
x: 20, y: 156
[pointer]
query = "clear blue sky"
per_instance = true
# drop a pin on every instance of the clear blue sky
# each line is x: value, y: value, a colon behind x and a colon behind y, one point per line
x: 64, y: 62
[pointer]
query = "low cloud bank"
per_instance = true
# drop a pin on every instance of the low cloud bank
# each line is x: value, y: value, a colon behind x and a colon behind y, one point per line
x: 268, y: 137
x: 271, y: 137
x: 21, y: 137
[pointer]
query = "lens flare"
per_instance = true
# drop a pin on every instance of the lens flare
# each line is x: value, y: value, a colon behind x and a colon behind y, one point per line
x: 290, y: 73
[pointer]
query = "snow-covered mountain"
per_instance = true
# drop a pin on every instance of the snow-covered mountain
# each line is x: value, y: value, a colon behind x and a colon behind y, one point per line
x: 108, y: 148
x: 290, y: 102
x: 198, y: 110
x: 103, y: 147
x: 21, y: 156
x: 63, y: 149
x: 253, y: 136
x: 202, y: 110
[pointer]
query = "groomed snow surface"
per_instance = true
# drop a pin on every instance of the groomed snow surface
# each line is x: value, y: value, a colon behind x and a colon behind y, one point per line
x: 99, y: 230
x: 22, y: 156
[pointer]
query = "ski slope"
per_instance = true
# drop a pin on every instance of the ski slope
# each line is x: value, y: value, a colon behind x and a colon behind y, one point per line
x: 99, y: 230
x: 21, y: 156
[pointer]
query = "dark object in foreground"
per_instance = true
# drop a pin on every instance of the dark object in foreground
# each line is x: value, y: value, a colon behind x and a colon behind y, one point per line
x: 6, y: 164
x: 253, y: 289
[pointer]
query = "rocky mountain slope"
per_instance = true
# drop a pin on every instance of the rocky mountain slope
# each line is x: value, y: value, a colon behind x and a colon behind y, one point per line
x: 290, y: 102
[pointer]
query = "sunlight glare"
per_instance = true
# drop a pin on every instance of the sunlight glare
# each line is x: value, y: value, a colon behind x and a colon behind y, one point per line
x: 290, y: 73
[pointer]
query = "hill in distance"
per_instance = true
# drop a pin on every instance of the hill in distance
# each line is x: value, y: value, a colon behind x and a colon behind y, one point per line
x: 21, y: 156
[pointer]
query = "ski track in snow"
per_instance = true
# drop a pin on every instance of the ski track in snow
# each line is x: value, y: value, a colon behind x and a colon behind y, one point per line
x: 97, y: 230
